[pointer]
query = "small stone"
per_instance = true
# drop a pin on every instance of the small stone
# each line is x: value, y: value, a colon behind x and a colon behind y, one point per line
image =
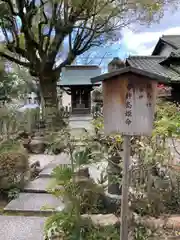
x: 103, y: 220
x: 83, y: 172
x: 173, y: 222
x: 37, y: 146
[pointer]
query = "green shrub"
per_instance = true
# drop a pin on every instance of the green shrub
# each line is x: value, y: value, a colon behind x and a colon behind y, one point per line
x: 67, y: 226
x: 13, y: 165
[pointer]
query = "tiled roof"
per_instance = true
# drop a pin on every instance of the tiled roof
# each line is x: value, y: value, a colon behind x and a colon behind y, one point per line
x: 172, y: 40
x: 131, y: 70
x: 151, y: 64
x: 176, y: 67
x: 78, y: 75
x: 175, y: 53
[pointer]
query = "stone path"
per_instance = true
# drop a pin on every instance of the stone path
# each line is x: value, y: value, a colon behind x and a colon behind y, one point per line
x: 21, y: 228
x: 34, y: 204
x: 39, y: 185
x: 44, y: 159
x: 25, y: 215
x: 35, y: 195
x: 80, y: 122
x: 80, y: 127
x: 29, y: 205
x: 62, y: 159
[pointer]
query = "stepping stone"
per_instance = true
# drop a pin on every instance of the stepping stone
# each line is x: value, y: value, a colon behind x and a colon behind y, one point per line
x: 34, y: 203
x: 44, y: 159
x: 81, y: 118
x: 39, y: 185
x: 78, y: 133
x: 60, y: 160
x: 21, y: 228
x: 80, y: 125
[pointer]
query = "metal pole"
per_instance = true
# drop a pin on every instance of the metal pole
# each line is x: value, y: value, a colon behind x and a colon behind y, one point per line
x: 125, y: 189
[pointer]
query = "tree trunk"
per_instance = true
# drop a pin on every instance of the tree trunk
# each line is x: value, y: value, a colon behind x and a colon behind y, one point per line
x: 48, y: 88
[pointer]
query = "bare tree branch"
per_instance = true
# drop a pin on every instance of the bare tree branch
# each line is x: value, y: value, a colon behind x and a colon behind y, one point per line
x: 12, y: 59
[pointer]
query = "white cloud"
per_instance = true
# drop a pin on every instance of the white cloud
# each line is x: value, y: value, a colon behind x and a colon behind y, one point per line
x: 1, y: 36
x: 143, y: 43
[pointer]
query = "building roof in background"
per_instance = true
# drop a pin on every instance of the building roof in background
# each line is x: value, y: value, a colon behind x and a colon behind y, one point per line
x: 132, y: 70
x: 75, y: 75
x: 171, y: 40
x: 153, y: 65
x: 175, y: 53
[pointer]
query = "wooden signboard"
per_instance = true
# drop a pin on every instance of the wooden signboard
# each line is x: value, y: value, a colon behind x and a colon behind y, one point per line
x: 129, y: 97
x: 129, y: 105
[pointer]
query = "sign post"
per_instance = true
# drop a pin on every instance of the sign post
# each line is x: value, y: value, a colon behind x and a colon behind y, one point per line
x: 129, y: 97
x: 125, y: 189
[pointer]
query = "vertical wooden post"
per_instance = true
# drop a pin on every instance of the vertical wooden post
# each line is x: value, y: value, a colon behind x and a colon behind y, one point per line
x: 125, y: 189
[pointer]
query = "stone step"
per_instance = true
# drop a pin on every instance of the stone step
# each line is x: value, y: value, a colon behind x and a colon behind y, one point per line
x: 21, y: 228
x: 78, y: 132
x: 34, y: 204
x: 80, y: 125
x: 82, y: 117
x: 39, y: 185
x: 44, y: 159
x: 60, y: 160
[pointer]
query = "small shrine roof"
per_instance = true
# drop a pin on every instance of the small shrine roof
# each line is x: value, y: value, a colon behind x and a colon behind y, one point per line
x: 74, y: 75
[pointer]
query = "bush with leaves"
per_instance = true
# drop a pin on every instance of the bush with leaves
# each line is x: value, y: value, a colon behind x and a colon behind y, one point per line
x: 67, y: 226
x: 167, y: 119
x: 14, y: 166
x: 158, y: 185
x: 152, y: 158
x: 81, y: 193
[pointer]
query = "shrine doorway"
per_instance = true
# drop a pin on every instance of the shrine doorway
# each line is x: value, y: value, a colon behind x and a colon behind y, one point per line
x: 81, y: 99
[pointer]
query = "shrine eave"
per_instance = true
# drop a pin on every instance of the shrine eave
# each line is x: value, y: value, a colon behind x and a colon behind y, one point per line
x: 79, y: 75
x: 131, y: 70
x: 79, y: 84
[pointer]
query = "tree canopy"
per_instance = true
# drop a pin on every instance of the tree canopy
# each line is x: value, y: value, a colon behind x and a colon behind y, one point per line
x: 15, y: 82
x: 46, y: 35
x: 36, y: 31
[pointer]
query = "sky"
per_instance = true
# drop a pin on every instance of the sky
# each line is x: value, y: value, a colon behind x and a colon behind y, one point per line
x: 136, y: 39
x: 141, y: 40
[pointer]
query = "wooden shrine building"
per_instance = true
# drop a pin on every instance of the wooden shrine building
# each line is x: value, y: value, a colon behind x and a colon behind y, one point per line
x: 164, y: 61
x: 75, y: 81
